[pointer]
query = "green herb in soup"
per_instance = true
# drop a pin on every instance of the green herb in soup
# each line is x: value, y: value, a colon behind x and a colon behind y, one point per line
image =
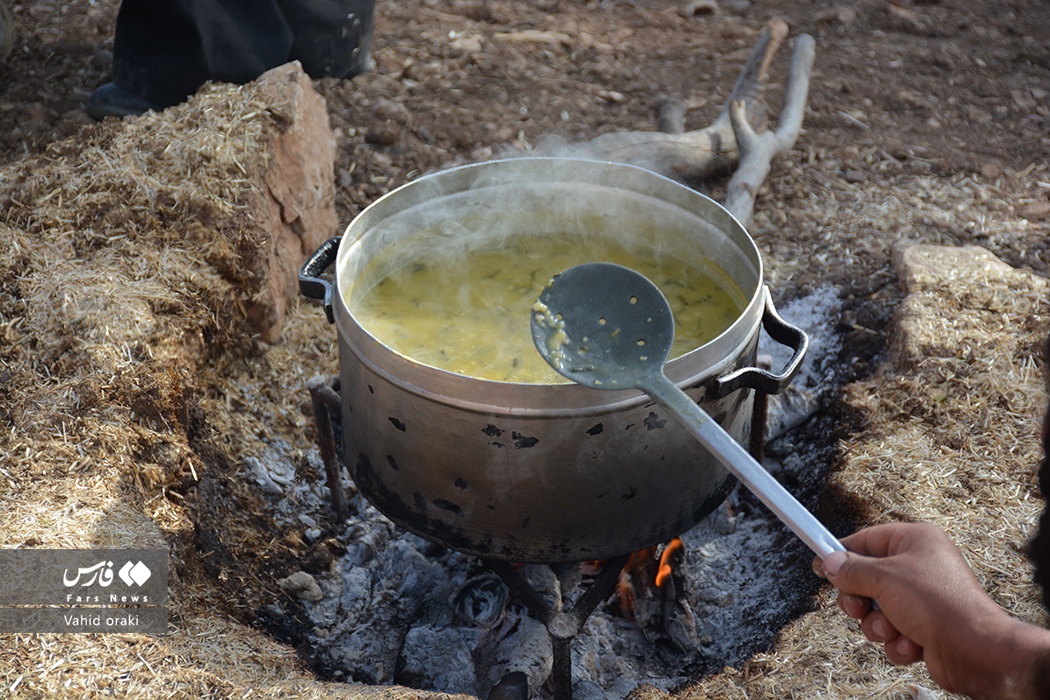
x: 470, y: 313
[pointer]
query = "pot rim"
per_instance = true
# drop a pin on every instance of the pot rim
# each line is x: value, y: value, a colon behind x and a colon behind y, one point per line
x: 689, y: 370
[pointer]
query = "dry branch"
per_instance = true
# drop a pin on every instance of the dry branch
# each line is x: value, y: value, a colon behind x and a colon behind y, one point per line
x: 703, y: 153
x: 670, y: 115
x: 737, y: 137
x: 757, y: 150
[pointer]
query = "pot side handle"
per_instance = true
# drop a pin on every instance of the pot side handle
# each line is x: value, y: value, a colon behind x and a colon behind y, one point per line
x: 760, y: 379
x: 311, y: 284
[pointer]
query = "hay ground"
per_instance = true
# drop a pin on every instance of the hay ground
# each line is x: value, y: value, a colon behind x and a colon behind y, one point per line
x: 125, y: 356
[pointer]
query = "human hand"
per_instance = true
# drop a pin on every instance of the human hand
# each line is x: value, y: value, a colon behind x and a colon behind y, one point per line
x: 932, y: 608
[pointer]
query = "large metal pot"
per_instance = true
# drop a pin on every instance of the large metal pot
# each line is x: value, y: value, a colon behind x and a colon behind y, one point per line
x: 529, y: 472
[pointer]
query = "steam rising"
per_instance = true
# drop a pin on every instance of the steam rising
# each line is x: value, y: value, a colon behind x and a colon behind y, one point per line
x: 441, y: 222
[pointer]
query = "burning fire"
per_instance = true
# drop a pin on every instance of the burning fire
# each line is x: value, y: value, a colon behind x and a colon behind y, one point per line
x: 645, y: 570
x: 663, y: 572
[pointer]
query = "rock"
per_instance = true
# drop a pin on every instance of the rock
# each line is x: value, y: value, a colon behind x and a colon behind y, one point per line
x: 303, y: 586
x: 383, y: 134
x: 438, y: 658
x: 924, y: 266
x: 392, y: 110
x: 513, y: 686
x: 855, y: 176
x: 991, y: 170
x: 230, y: 191
x: 299, y: 206
x: 1036, y: 210
x: 587, y: 690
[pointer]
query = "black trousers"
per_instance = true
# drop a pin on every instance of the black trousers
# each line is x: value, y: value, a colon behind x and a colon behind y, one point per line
x: 164, y: 50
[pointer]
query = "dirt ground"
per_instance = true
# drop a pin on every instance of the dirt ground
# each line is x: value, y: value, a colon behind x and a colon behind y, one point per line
x: 928, y: 121
x: 953, y: 95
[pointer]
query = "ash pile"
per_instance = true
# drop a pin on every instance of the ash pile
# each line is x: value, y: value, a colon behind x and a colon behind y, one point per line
x: 388, y: 607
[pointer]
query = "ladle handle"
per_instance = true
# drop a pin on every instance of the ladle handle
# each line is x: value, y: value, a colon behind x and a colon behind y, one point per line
x: 739, y: 461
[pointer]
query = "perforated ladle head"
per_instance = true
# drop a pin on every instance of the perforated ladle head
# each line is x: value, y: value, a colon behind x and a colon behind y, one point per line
x: 603, y: 326
x: 608, y: 327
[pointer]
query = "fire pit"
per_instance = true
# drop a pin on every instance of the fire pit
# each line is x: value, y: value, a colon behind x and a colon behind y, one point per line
x: 547, y: 475
x: 396, y: 608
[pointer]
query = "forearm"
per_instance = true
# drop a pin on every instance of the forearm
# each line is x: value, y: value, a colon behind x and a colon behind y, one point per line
x: 1018, y: 665
x: 1041, y: 677
x: 1035, y: 678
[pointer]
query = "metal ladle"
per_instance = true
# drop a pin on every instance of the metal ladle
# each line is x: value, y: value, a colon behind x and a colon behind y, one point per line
x: 608, y: 327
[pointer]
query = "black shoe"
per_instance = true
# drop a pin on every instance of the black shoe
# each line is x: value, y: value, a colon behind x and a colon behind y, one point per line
x: 111, y: 100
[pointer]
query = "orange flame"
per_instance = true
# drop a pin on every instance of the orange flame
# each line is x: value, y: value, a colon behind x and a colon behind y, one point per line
x: 641, y: 573
x: 664, y: 571
x: 625, y: 588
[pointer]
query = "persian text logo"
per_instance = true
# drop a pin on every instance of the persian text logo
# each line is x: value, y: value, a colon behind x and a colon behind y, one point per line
x: 102, y: 573
x: 84, y: 590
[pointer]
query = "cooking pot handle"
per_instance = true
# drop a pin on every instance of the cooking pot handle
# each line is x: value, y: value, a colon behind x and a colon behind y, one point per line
x: 311, y: 284
x: 760, y: 379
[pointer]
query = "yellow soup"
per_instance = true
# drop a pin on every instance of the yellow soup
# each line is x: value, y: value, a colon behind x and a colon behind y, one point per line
x: 471, y: 313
